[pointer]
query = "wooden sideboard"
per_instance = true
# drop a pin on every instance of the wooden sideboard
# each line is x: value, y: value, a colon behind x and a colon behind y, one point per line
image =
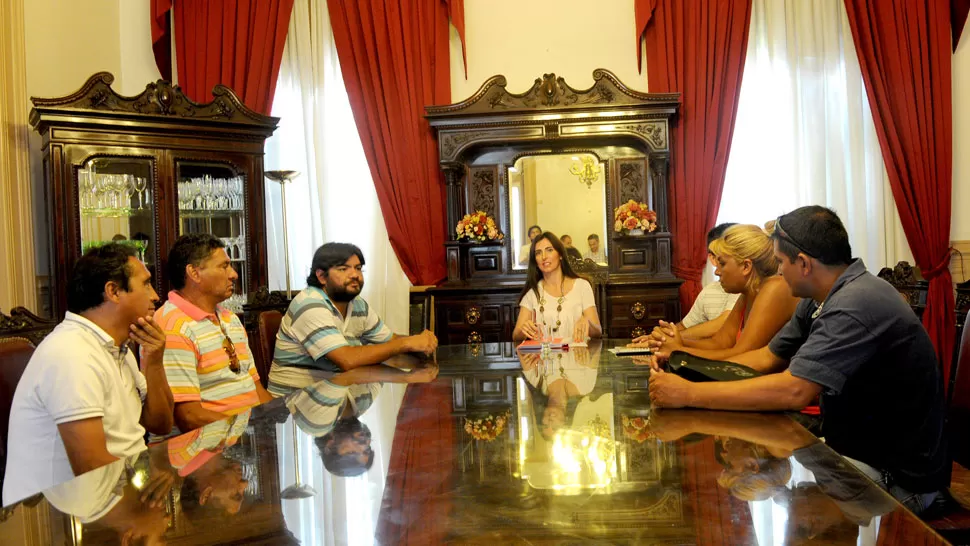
x: 480, y: 142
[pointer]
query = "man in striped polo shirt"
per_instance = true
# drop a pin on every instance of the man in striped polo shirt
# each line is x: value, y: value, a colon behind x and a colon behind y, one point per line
x: 329, y: 329
x: 208, y: 363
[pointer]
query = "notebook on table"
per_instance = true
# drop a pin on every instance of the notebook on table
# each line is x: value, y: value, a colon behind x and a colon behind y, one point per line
x: 631, y: 351
x: 557, y: 344
x: 697, y: 369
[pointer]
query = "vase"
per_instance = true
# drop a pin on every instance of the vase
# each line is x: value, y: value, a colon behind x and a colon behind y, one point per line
x: 635, y: 232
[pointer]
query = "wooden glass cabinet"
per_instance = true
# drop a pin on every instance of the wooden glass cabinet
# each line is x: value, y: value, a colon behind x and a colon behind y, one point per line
x: 144, y: 170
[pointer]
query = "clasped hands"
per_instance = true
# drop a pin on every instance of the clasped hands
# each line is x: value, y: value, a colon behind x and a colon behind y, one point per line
x: 580, y: 331
x: 663, y: 340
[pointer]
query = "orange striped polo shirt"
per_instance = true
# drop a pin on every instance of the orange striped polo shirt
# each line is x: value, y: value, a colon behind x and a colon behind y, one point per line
x: 197, y: 364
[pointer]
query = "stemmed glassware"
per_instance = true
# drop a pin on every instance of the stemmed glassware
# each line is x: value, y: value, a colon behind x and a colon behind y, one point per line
x: 206, y: 193
x: 140, y: 185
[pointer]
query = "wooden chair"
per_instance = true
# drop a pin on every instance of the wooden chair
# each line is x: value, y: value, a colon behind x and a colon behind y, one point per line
x: 954, y: 522
x: 268, y: 325
x: 20, y: 333
x: 913, y: 290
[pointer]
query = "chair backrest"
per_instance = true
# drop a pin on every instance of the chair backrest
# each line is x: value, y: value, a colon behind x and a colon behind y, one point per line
x: 913, y: 291
x: 959, y: 410
x: 267, y: 324
x: 15, y: 353
x: 20, y: 332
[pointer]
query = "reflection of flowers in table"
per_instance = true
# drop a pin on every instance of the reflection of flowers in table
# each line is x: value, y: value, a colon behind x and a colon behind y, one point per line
x: 634, y: 218
x: 487, y: 428
x: 636, y: 428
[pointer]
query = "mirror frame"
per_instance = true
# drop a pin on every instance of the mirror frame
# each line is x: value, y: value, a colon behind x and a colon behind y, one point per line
x: 480, y: 137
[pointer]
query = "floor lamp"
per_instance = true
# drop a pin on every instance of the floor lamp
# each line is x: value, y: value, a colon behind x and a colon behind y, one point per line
x: 283, y: 178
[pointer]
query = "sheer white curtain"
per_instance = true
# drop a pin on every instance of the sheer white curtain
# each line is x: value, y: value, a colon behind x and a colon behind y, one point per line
x: 804, y: 133
x: 334, y: 197
x: 332, y: 200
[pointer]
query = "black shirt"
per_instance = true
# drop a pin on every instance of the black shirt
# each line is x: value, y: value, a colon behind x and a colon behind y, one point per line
x: 882, y: 398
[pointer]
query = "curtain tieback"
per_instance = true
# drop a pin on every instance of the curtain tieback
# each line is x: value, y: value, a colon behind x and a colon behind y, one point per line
x: 940, y: 267
x: 689, y: 273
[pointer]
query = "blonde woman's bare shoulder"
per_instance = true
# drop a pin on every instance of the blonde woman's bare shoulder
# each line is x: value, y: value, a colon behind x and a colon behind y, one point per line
x: 776, y: 287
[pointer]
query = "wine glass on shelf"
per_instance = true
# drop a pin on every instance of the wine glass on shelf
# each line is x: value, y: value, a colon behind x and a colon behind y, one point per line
x: 140, y: 185
x: 84, y: 189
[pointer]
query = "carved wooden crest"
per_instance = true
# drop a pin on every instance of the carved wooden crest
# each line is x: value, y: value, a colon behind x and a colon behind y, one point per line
x: 158, y: 99
x: 550, y: 93
x: 264, y: 300
x: 22, y: 323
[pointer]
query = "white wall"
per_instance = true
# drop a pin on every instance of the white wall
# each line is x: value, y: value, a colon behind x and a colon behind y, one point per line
x: 524, y: 39
x: 68, y: 41
x: 960, y: 223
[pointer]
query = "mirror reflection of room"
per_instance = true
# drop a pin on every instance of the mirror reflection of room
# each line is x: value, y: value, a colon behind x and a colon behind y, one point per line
x: 564, y: 194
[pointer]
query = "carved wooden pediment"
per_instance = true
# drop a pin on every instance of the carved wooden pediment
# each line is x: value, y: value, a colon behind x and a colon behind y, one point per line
x: 22, y: 323
x: 551, y: 93
x: 160, y: 98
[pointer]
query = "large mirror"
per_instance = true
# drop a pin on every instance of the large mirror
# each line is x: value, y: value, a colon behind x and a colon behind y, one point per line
x: 564, y: 194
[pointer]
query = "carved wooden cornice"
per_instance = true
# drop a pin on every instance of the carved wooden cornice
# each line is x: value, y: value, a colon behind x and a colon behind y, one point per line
x: 552, y: 93
x: 159, y: 99
x: 552, y: 110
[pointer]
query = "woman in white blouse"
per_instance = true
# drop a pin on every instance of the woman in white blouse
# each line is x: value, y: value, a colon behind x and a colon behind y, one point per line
x: 555, y: 296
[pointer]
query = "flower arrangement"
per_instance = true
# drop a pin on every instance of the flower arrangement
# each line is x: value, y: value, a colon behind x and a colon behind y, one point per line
x: 636, y: 428
x: 486, y: 428
x: 632, y: 216
x: 478, y: 226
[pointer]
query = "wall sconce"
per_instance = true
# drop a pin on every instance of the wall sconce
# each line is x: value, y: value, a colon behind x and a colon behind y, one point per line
x: 588, y: 172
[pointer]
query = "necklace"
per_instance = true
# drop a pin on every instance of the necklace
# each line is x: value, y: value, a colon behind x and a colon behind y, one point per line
x: 562, y: 298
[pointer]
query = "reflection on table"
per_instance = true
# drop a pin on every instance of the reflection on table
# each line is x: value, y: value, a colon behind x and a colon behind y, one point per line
x: 505, y: 448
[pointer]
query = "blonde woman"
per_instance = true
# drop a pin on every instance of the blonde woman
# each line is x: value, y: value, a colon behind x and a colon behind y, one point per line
x: 747, y: 265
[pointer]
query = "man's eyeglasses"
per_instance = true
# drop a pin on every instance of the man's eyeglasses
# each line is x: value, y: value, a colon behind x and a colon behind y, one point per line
x: 784, y: 235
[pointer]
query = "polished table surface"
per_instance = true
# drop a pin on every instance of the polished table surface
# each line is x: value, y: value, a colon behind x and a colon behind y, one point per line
x: 499, y: 449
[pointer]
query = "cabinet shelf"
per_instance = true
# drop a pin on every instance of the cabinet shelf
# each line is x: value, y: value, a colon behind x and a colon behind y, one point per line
x: 211, y: 213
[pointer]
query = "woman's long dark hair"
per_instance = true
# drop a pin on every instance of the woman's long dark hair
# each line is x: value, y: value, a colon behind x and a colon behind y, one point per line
x: 533, y: 275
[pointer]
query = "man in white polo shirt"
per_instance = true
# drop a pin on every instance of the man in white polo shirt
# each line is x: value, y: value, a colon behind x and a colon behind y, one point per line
x: 82, y: 403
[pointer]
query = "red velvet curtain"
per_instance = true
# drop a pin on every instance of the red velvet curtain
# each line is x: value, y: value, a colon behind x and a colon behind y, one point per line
x: 904, y: 52
x: 697, y: 48
x: 162, y: 37
x: 394, y: 56
x: 236, y: 43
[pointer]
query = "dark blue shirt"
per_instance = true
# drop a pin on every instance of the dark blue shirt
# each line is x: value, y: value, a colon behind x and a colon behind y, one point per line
x: 882, y: 398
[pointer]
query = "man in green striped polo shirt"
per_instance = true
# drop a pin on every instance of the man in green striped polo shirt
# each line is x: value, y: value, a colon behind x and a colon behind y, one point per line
x: 329, y: 329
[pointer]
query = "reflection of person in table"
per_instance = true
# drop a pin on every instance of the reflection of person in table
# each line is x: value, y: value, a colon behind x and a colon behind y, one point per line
x: 213, y: 484
x: 757, y: 451
x: 329, y: 410
x: 555, y: 296
x: 124, y: 501
x: 560, y: 382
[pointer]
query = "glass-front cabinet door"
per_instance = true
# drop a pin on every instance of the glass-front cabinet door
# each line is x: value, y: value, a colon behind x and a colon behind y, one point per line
x: 212, y: 199
x: 116, y: 198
